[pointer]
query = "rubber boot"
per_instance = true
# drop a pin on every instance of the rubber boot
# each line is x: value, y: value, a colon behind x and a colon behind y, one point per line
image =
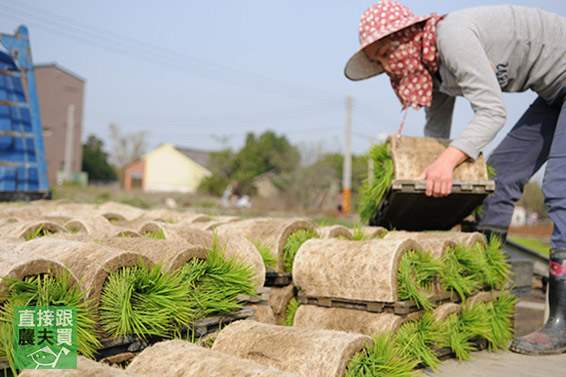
x: 551, y: 337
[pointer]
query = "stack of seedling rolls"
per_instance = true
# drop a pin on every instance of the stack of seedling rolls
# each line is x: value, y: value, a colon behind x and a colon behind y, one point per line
x: 123, y: 282
x: 362, y: 301
x: 415, y: 293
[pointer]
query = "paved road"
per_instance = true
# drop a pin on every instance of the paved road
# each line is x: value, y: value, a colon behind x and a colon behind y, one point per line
x: 503, y: 364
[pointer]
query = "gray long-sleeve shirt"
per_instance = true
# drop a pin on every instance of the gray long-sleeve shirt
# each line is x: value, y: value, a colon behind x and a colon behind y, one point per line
x: 485, y: 51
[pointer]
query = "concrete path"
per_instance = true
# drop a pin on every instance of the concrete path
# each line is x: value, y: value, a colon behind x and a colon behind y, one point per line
x: 503, y: 364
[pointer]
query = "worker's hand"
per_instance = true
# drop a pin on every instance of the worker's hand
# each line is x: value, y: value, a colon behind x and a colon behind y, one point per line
x: 438, y: 175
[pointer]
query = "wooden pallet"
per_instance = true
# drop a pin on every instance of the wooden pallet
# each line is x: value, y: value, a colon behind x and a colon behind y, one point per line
x: 261, y: 298
x: 399, y: 307
x: 277, y: 279
x: 123, y: 349
x: 444, y: 354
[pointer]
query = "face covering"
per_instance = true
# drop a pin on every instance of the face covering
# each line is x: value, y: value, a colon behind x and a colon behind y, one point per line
x: 413, y: 60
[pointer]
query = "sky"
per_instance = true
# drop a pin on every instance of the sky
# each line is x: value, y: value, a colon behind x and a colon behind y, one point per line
x: 201, y: 74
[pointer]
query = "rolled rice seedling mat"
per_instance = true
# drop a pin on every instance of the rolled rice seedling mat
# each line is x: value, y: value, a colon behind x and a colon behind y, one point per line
x: 417, y: 339
x: 334, y: 231
x: 374, y: 231
x: 436, y: 242
x: 216, y: 285
x: 173, y: 217
x: 24, y: 210
x: 173, y: 254
x: 85, y: 368
x: 381, y: 358
x: 400, y: 308
x: 18, y: 265
x: 60, y: 289
x: 98, y: 227
x: 351, y: 270
x: 468, y: 239
x: 236, y: 246
x: 263, y: 313
x: 350, y: 320
x: 69, y: 210
x: 467, y: 264
x: 306, y: 352
x: 485, y: 323
x: 118, y: 212
x: 27, y: 230
x: 215, y: 222
x: 460, y: 333
x: 125, y: 347
x: 9, y: 220
x: 279, y: 299
x: 443, y: 311
x: 89, y: 261
x: 272, y: 232
x: 177, y: 358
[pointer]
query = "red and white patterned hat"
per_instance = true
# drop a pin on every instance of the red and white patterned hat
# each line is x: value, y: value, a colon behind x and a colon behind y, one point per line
x: 378, y: 21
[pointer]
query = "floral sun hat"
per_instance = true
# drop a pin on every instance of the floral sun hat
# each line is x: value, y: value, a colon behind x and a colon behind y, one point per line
x: 378, y: 21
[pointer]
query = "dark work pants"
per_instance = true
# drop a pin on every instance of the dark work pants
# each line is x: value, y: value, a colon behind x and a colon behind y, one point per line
x: 538, y: 137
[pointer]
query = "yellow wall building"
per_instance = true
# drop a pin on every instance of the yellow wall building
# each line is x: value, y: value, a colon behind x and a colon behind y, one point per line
x: 169, y: 168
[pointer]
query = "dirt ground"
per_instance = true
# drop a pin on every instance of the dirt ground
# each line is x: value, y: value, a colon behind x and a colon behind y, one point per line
x: 538, y: 230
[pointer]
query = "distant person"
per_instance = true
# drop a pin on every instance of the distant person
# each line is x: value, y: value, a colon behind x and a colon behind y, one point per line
x: 479, y: 53
x: 236, y: 193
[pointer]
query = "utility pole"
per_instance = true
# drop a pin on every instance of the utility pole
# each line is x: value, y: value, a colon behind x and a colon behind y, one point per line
x: 69, y: 141
x: 347, y: 170
x: 370, y: 162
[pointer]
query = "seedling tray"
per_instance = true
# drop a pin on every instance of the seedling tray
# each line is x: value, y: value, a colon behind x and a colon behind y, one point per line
x: 406, y: 206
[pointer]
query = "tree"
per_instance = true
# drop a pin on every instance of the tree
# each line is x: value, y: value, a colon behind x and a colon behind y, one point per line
x: 220, y: 165
x: 269, y: 152
x: 95, y: 161
x: 533, y: 199
x: 126, y: 148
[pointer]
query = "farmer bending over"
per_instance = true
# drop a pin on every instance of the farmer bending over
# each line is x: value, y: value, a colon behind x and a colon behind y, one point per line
x: 479, y: 53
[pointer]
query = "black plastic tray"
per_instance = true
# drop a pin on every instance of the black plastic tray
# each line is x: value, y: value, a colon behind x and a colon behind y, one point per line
x: 406, y: 207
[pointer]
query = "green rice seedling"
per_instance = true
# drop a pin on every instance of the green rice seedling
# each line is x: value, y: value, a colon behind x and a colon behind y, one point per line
x: 416, y: 339
x: 460, y: 271
x: 381, y: 359
x: 294, y: 242
x: 501, y: 312
x: 158, y: 234
x: 142, y: 300
x: 72, y: 230
x: 47, y: 290
x: 383, y: 173
x: 417, y: 271
x: 458, y: 330
x: 290, y: 311
x: 39, y: 232
x: 214, y: 285
x: 495, y: 268
x: 358, y: 233
x: 265, y: 251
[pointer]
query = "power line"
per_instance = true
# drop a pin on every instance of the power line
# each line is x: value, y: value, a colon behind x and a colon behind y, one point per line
x: 241, y: 119
x: 127, y: 46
